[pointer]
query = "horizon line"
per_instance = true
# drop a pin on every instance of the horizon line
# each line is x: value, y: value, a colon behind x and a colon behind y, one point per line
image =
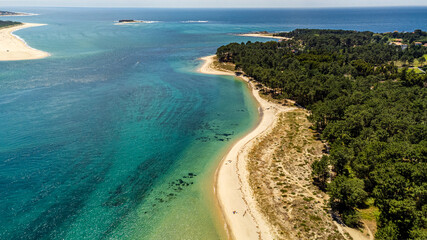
x: 254, y: 8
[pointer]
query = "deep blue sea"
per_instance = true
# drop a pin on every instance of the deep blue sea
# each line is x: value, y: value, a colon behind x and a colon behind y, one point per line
x: 116, y: 136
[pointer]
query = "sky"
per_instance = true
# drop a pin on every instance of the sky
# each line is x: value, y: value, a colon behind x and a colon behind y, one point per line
x: 214, y: 3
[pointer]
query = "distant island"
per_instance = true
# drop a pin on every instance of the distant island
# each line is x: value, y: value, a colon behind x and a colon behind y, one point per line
x: 341, y: 144
x: 127, y: 21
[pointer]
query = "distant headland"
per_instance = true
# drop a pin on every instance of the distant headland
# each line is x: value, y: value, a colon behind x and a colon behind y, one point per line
x: 7, y: 13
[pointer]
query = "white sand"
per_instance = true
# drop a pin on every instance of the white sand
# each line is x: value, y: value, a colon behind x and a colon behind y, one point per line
x: 232, y: 184
x: 207, y: 68
x: 262, y: 35
x: 13, y: 48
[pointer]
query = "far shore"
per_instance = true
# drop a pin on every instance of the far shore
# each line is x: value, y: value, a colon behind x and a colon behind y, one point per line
x: 263, y: 35
x: 19, y: 15
x: 235, y: 197
x: 14, y: 48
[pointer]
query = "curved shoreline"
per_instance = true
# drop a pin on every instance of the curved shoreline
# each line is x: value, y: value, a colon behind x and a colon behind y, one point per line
x: 14, y: 48
x: 231, y: 186
x: 262, y: 35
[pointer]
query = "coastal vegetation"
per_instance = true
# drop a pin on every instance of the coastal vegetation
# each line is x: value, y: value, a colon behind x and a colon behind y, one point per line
x: 366, y: 93
x: 279, y: 173
x: 4, y: 24
x: 7, y: 13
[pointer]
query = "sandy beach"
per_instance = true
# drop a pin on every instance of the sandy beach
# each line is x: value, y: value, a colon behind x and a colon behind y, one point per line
x: 13, y: 48
x: 262, y: 35
x: 235, y: 196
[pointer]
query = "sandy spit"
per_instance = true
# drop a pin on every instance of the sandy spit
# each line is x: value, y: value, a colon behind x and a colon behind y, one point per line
x: 242, y: 217
x: 14, y: 48
x: 262, y: 35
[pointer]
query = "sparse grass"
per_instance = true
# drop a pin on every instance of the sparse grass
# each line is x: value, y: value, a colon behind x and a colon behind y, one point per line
x: 315, y: 218
x: 282, y: 158
x: 417, y: 63
x: 416, y: 70
x: 371, y: 212
x: 413, y: 66
x: 369, y: 216
x: 223, y: 66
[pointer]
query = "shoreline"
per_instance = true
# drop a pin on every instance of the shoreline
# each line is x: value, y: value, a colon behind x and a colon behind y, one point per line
x: 14, y: 48
x: 20, y: 15
x: 262, y: 35
x: 238, y: 205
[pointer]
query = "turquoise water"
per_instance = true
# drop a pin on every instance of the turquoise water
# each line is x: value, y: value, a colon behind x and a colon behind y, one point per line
x: 115, y: 136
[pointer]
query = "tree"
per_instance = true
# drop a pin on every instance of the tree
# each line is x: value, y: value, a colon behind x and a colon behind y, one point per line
x: 411, y: 61
x: 421, y: 60
x: 387, y: 232
x: 347, y: 193
x: 320, y: 171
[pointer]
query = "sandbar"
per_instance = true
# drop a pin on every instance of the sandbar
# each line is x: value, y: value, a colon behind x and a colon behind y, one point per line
x: 263, y: 35
x: 14, y: 48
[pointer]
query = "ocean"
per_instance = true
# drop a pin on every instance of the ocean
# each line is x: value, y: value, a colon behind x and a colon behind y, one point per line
x: 116, y: 135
